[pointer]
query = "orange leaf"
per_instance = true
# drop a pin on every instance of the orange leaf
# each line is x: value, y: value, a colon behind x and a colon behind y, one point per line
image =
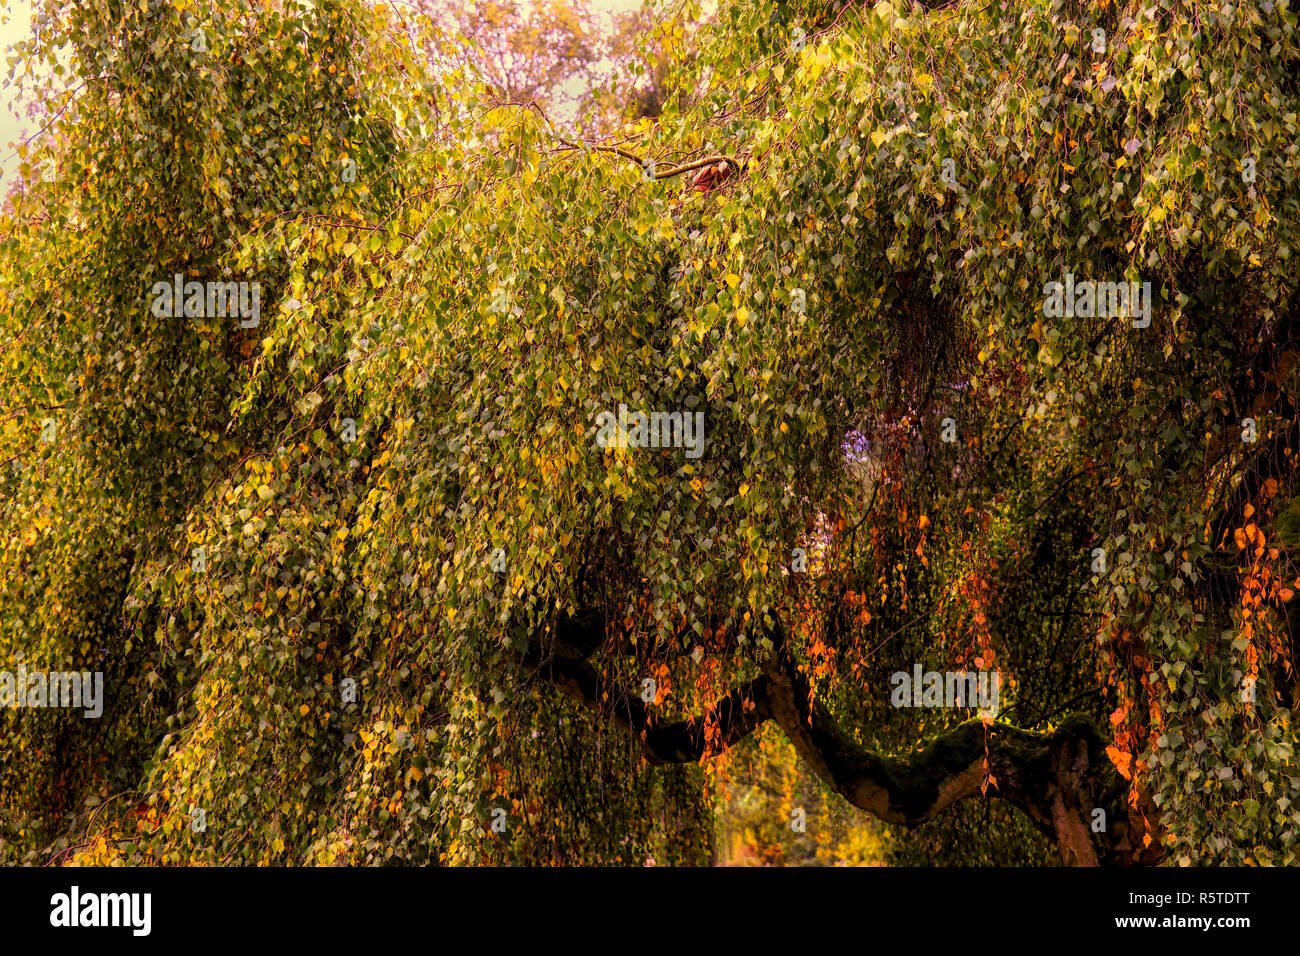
x: 1122, y: 761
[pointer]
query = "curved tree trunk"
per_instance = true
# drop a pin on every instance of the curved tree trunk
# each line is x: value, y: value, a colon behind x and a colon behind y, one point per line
x: 1058, y: 779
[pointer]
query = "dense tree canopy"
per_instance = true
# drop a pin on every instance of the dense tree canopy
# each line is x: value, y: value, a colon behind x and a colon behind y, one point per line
x: 363, y: 583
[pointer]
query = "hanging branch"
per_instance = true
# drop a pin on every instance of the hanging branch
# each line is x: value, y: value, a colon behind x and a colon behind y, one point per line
x: 676, y: 170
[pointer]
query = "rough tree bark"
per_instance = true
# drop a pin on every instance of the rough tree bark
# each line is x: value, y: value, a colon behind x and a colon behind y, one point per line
x: 1058, y: 779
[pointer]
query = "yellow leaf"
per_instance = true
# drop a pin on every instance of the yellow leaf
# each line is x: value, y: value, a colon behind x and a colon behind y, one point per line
x: 877, y: 137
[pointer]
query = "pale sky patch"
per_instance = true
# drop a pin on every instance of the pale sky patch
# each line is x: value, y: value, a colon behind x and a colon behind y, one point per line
x: 15, y: 25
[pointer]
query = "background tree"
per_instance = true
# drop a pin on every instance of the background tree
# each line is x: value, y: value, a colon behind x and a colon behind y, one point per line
x: 652, y: 50
x: 544, y: 51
